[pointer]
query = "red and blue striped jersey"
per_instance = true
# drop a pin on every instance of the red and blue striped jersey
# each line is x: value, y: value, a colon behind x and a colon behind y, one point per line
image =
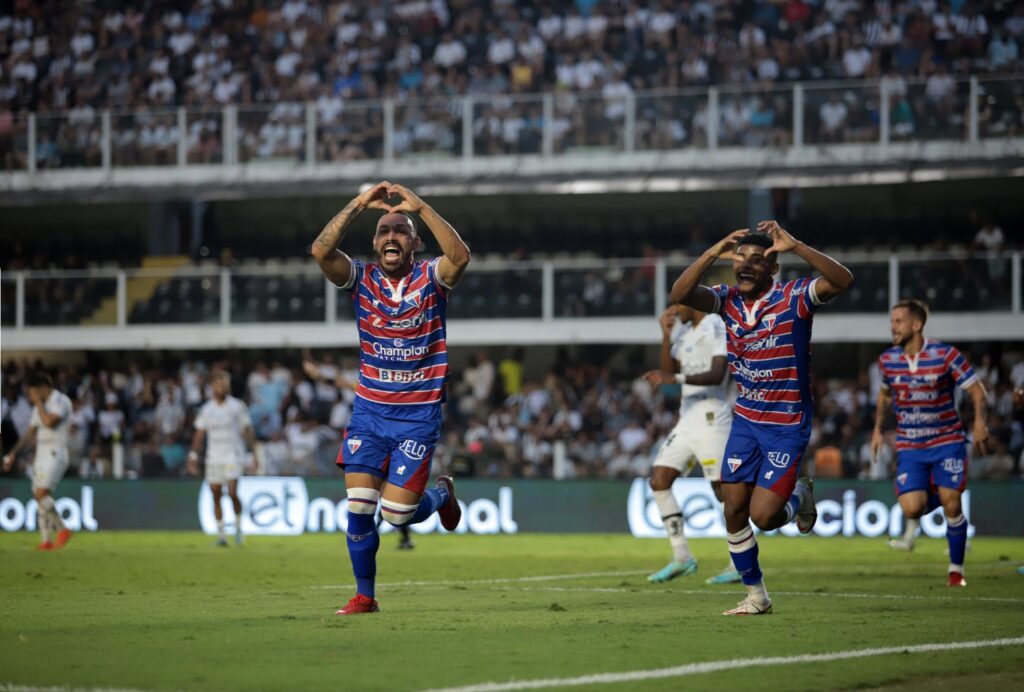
x: 769, y: 344
x: 402, y: 327
x: 923, y: 389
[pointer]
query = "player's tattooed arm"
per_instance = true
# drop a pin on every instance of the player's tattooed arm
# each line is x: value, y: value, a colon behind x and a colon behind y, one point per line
x: 335, y: 264
x: 688, y: 290
x: 456, y: 252
x: 881, y: 411
x: 835, y: 278
x: 979, y: 399
x: 24, y: 441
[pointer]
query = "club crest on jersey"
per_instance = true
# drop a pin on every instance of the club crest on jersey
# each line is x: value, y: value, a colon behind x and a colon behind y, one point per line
x: 769, y: 320
x: 734, y: 463
x: 414, y: 298
x: 353, y: 445
x: 901, y: 479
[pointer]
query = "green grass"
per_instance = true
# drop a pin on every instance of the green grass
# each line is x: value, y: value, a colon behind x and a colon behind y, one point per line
x: 170, y: 611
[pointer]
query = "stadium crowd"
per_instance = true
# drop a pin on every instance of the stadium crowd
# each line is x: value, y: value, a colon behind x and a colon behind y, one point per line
x: 589, y: 421
x: 205, y: 54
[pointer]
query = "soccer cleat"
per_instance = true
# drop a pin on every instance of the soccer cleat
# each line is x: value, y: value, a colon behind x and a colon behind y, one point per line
x: 406, y: 544
x: 239, y: 539
x: 222, y: 542
x: 906, y: 544
x: 674, y: 569
x: 45, y: 546
x: 1020, y: 570
x: 956, y: 579
x: 450, y: 512
x: 359, y: 605
x: 750, y: 606
x: 726, y: 576
x: 62, y: 539
x: 807, y: 514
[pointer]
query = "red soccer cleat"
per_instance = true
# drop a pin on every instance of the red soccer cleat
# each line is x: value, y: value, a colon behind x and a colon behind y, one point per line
x: 62, y: 539
x: 45, y: 545
x: 956, y: 579
x: 450, y: 512
x: 359, y: 605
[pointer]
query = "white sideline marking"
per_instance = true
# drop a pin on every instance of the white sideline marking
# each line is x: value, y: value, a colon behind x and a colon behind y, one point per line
x: 732, y: 664
x: 506, y: 580
x: 10, y: 687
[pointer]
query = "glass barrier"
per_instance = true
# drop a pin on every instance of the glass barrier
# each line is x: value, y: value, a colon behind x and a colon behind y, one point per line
x: 1001, y: 108
x: 842, y: 114
x: 755, y: 118
x: 869, y: 292
x: 588, y: 122
x: 498, y: 294
x: 349, y: 130
x: 205, y: 138
x: 70, y: 140
x: 14, y: 143
x: 671, y: 121
x: 428, y: 128
x: 602, y: 291
x: 144, y: 138
x: 8, y: 301
x: 260, y: 296
x: 958, y: 285
x: 73, y: 298
x: 275, y: 133
x: 504, y: 125
x: 171, y: 297
x: 938, y: 107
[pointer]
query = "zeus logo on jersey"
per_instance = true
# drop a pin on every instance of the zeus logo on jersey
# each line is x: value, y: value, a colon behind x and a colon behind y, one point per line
x: 413, y: 449
x: 400, y: 376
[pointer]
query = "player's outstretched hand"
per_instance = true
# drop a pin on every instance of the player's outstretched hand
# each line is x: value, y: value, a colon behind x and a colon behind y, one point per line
x: 375, y: 197
x: 408, y: 200
x: 659, y: 377
x: 981, y: 436
x: 192, y: 465
x: 782, y: 240
x: 726, y: 245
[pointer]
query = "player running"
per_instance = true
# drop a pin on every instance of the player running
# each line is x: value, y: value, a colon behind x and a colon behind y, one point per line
x: 769, y: 333
x: 919, y: 379
x: 48, y: 428
x: 694, y: 354
x: 226, y: 421
x: 401, y: 307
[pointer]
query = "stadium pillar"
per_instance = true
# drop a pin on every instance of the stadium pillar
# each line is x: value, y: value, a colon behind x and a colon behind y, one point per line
x: 182, y: 136
x: 894, y: 279
x: 310, y: 134
x: 389, y: 130
x: 713, y: 118
x: 660, y: 294
x: 31, y: 146
x: 330, y: 302
x: 1017, y: 279
x: 883, y: 113
x: 548, y: 131
x: 629, y: 124
x: 798, y: 115
x: 972, y: 110
x: 225, y: 296
x: 19, y: 300
x: 106, y: 150
x: 122, y: 298
x: 467, y: 129
x: 547, y: 288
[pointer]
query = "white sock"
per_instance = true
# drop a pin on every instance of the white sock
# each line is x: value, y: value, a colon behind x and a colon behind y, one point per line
x: 758, y: 592
x: 49, y: 507
x: 220, y: 528
x: 45, y: 527
x: 672, y: 517
x: 910, y: 529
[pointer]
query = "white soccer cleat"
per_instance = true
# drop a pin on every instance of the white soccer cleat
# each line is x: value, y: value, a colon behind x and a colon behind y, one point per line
x: 904, y: 544
x: 807, y: 514
x: 751, y: 606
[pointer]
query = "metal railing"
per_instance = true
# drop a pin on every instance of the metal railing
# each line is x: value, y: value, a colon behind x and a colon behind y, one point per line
x: 470, y: 127
x: 547, y: 290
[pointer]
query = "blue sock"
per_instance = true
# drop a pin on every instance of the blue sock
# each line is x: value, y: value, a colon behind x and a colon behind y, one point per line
x: 792, y: 505
x: 429, y: 503
x: 363, y: 541
x: 956, y: 536
x: 743, y: 550
x: 933, y: 503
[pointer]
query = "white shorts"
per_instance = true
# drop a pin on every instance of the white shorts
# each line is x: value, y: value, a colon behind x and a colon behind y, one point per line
x: 698, y: 439
x: 223, y: 471
x: 48, y: 468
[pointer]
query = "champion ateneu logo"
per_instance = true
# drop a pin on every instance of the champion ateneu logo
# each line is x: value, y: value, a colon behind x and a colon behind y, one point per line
x: 353, y: 445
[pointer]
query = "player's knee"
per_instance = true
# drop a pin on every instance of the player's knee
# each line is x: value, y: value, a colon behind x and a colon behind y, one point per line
x: 40, y: 493
x: 397, y: 513
x: 658, y: 482
x: 762, y: 519
x: 362, y: 500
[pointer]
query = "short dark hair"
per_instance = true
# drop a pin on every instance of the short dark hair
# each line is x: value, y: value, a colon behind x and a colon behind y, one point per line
x: 412, y: 221
x: 756, y: 238
x: 38, y: 378
x: 917, y: 308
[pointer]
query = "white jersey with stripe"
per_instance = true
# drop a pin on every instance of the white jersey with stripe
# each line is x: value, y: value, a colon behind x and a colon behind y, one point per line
x: 52, y: 440
x: 224, y: 423
x: 695, y: 348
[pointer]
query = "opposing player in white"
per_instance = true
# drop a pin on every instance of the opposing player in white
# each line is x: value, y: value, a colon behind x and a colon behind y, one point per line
x: 693, y: 353
x: 225, y: 422
x: 48, y: 428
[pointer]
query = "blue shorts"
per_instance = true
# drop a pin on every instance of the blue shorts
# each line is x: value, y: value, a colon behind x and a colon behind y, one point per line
x: 395, y: 450
x: 944, y: 466
x: 767, y: 455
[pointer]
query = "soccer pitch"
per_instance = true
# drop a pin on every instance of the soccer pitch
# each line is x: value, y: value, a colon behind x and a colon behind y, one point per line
x: 170, y: 611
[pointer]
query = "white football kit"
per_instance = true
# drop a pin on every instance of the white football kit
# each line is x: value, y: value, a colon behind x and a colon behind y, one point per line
x: 225, y: 446
x: 51, y: 460
x: 705, y: 413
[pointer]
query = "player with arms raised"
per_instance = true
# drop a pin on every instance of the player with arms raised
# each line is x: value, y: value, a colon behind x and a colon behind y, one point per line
x: 693, y: 353
x: 769, y: 333
x: 48, y: 428
x: 401, y: 307
x: 919, y: 379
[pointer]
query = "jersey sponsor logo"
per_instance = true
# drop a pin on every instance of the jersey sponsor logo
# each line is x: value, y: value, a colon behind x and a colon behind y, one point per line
x: 353, y: 445
x: 768, y: 476
x: 953, y: 465
x: 916, y: 417
x: 398, y: 351
x: 413, y: 449
x: 752, y: 374
x: 779, y: 460
x: 751, y: 394
x: 407, y: 323
x: 764, y: 343
x: 918, y: 396
x: 734, y: 463
x: 400, y: 376
x: 920, y: 432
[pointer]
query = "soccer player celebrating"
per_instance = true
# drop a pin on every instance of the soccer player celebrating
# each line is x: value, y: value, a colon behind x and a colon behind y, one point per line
x: 226, y: 421
x: 769, y: 333
x: 919, y: 377
x: 401, y: 307
x: 48, y: 428
x: 693, y: 353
